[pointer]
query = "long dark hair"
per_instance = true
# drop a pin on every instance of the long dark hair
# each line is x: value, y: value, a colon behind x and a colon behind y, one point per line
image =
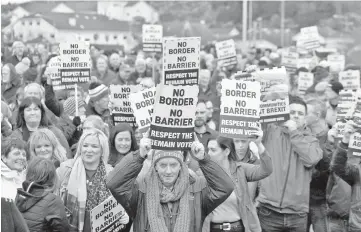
x: 20, y: 120
x: 225, y: 143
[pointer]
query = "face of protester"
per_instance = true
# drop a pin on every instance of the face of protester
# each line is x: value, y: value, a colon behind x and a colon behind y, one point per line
x: 103, y: 103
x: 41, y: 48
x: 201, y: 115
x: 32, y: 114
x: 81, y: 111
x: 204, y: 80
x: 241, y: 146
x: 124, y: 73
x: 101, y: 65
x: 138, y: 136
x: 298, y: 114
x: 5, y: 71
x: 312, y: 115
x: 19, y: 49
x: 36, y: 60
x: 33, y: 91
x: 216, y: 153
x: 123, y: 142
x: 114, y: 60
x: 140, y: 66
x: 209, y: 106
x: 168, y: 170
x: 91, y: 150
x: 44, y: 149
x: 16, y: 159
x: 72, y: 94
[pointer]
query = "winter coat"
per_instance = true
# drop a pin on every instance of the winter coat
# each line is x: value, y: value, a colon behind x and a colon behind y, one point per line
x: 294, y: 154
x: 42, y: 210
x: 351, y: 173
x: 11, y: 218
x: 206, y: 193
x: 11, y: 180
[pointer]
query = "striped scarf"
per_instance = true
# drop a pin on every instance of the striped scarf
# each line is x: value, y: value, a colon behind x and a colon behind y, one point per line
x: 155, y: 195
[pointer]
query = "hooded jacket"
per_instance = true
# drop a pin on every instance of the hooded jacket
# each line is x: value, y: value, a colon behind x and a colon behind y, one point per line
x: 42, y: 210
x: 351, y: 173
x: 115, y: 157
x: 294, y: 154
x: 10, y: 181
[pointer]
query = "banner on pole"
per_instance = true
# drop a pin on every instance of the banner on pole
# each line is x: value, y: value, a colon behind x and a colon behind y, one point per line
x: 309, y: 38
x: 172, y: 126
x: 105, y: 217
x: 122, y: 111
x: 226, y: 53
x: 75, y: 63
x: 350, y: 79
x: 336, y: 62
x: 240, y: 106
x: 142, y: 104
x: 181, y: 60
x: 152, y: 38
x: 290, y: 60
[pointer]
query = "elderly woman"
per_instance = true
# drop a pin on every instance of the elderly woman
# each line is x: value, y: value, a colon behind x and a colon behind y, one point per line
x: 238, y: 212
x: 40, y: 207
x: 43, y: 143
x: 122, y: 142
x: 10, y: 83
x: 31, y: 117
x: 13, y: 164
x: 102, y: 71
x: 83, y: 178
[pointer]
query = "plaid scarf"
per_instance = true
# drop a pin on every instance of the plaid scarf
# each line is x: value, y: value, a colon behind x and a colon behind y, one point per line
x: 83, y: 197
x: 156, y: 194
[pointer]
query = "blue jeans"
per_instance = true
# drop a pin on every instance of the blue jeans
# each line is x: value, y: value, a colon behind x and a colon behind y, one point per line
x: 318, y: 218
x: 272, y: 221
x: 338, y: 225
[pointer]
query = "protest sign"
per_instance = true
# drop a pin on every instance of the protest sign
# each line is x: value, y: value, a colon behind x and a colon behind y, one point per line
x: 240, y: 104
x: 350, y: 79
x: 309, y: 38
x: 226, y: 53
x: 304, y: 62
x: 274, y: 95
x: 122, y: 111
x: 244, y: 76
x: 355, y: 144
x: 75, y: 63
x: 305, y: 81
x: 105, y: 216
x: 181, y: 60
x: 53, y: 70
x: 290, y: 61
x: 142, y: 104
x: 172, y: 126
x: 152, y: 38
x: 336, y: 62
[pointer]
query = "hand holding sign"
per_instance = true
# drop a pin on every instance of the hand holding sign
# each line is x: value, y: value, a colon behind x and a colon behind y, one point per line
x: 350, y: 128
x: 291, y: 125
x: 258, y: 134
x: 197, y: 150
x: 145, y: 146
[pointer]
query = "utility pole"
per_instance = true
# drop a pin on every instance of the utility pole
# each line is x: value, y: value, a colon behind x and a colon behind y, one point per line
x: 282, y: 23
x: 244, y: 21
x: 250, y: 18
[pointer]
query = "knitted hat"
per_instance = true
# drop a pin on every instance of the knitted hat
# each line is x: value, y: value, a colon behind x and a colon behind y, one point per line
x: 97, y: 91
x: 336, y: 86
x: 158, y: 155
x: 69, y: 105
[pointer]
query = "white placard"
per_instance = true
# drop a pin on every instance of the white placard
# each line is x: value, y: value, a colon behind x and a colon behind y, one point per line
x: 350, y: 79
x: 336, y: 62
x: 305, y: 81
x: 152, y: 38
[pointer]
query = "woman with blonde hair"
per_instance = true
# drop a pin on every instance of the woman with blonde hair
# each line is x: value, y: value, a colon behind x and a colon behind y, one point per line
x: 43, y: 143
x: 83, y: 179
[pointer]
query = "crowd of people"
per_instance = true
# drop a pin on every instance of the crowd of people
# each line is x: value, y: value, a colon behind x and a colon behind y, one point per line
x: 57, y: 165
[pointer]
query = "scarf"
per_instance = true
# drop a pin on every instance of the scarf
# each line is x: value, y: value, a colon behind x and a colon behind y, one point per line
x: 156, y: 194
x: 83, y: 197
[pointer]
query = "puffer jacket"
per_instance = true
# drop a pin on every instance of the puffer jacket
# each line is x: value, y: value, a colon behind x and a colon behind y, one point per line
x: 42, y: 210
x: 10, y: 181
x: 294, y: 154
x: 351, y: 173
x: 207, y: 192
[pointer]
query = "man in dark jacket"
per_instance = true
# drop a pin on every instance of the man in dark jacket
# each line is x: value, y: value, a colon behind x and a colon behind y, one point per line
x: 168, y: 198
x: 18, y: 53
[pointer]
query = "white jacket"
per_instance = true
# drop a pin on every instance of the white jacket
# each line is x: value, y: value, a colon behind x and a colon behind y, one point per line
x: 11, y: 180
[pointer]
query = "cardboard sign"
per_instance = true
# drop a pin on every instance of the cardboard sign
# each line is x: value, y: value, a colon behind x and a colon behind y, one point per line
x: 226, y: 53
x: 305, y: 81
x: 336, y: 62
x: 355, y: 144
x: 290, y: 60
x: 152, y: 38
x: 274, y: 95
x: 75, y: 63
x: 142, y: 104
x: 240, y: 104
x: 105, y: 216
x: 172, y: 126
x: 122, y: 111
x: 181, y: 60
x: 309, y: 38
x: 350, y: 79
